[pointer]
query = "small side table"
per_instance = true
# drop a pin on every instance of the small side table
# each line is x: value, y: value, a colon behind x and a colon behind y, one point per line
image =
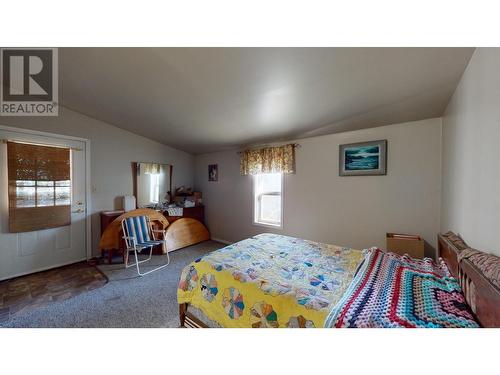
x: 411, y: 244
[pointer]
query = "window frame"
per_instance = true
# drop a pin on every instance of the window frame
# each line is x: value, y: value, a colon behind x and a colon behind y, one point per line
x: 53, y: 186
x: 256, y: 207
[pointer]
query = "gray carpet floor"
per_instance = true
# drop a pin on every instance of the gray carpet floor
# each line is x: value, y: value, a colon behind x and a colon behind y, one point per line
x: 127, y: 300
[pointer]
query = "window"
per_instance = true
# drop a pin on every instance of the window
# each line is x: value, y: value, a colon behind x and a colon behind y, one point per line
x: 42, y: 193
x: 39, y: 187
x: 268, y: 189
x: 154, y: 188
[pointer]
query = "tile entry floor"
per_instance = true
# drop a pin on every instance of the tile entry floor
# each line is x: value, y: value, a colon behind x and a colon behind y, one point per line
x: 29, y: 292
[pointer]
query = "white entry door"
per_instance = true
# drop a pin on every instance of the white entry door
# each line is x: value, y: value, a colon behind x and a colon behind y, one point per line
x: 24, y: 253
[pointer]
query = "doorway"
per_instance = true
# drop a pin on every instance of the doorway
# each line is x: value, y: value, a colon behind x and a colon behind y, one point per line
x: 28, y: 252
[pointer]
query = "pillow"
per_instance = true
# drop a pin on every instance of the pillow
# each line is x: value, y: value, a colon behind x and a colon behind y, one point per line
x: 456, y: 240
x: 488, y: 264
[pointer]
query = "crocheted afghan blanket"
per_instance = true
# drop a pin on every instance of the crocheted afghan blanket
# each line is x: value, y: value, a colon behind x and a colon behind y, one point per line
x: 391, y: 291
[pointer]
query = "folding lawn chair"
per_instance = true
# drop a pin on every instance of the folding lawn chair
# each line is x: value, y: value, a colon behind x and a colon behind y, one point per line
x: 139, y: 235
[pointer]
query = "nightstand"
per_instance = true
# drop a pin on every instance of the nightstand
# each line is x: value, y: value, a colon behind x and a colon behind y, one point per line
x: 411, y: 244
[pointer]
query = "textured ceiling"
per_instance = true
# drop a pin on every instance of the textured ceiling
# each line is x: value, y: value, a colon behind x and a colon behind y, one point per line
x: 208, y: 99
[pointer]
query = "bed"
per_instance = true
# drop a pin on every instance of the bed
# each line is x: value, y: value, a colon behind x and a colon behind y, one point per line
x: 270, y: 281
x: 267, y: 281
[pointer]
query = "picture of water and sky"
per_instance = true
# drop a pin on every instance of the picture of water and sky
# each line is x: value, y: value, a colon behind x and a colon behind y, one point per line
x: 362, y: 158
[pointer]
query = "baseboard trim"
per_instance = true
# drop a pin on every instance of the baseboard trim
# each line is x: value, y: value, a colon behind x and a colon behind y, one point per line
x: 221, y: 241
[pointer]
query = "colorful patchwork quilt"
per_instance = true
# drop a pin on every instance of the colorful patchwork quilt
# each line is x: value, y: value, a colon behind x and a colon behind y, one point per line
x: 397, y: 291
x: 269, y: 281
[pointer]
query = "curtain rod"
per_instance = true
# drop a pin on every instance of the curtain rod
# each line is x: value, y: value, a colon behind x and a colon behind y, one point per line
x: 295, y: 145
x: 39, y: 144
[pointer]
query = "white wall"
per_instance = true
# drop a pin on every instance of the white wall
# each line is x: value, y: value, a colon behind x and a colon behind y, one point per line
x: 320, y: 205
x: 112, y: 151
x: 471, y: 172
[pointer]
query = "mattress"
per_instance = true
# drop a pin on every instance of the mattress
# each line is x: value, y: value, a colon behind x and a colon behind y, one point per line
x: 268, y: 281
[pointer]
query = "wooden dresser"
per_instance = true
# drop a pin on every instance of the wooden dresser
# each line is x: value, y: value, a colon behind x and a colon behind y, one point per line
x: 196, y: 212
x: 107, y: 217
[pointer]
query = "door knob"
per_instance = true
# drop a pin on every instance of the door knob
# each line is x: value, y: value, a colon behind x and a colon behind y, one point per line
x: 79, y: 211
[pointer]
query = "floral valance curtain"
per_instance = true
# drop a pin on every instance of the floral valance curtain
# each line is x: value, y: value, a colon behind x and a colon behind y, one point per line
x: 150, y: 168
x: 268, y: 160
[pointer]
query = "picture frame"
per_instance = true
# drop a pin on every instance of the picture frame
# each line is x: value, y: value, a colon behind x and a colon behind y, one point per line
x: 213, y: 172
x: 363, y: 158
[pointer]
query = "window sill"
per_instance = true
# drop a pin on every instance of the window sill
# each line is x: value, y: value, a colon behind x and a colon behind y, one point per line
x: 266, y: 225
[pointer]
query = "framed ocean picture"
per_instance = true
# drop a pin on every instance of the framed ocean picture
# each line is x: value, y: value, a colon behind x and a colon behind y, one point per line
x: 363, y: 159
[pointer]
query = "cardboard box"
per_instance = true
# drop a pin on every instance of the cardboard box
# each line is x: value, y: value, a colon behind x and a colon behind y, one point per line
x: 411, y: 244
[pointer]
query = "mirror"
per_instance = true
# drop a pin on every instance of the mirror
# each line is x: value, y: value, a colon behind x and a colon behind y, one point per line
x: 152, y: 182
